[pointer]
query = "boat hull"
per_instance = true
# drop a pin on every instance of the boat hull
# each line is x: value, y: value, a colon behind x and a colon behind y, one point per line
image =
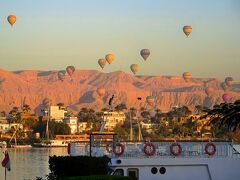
x: 181, y: 168
x: 21, y: 146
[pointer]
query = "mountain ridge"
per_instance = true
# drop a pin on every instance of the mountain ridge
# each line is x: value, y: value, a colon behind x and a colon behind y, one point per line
x: 32, y: 86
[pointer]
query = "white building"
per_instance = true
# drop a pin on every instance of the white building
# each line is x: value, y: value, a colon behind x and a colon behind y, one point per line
x: 72, y: 123
x: 84, y: 126
x: 6, y: 127
x: 112, y: 119
x: 148, y: 126
x: 56, y: 113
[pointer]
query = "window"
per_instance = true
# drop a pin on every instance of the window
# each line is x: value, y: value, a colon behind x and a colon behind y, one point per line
x: 118, y: 172
x: 162, y: 170
x: 154, y: 170
x: 133, y: 173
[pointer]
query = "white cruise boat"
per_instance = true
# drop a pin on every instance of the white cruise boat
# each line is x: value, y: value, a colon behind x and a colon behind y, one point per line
x: 185, y: 160
x: 52, y: 143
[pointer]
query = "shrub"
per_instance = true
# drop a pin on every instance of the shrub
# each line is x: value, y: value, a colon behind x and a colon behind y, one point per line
x: 100, y: 177
x: 67, y: 166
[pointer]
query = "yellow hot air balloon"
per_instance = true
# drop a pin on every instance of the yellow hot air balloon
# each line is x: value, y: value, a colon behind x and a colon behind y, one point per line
x: 134, y: 68
x: 187, y: 30
x: 12, y: 19
x: 109, y: 58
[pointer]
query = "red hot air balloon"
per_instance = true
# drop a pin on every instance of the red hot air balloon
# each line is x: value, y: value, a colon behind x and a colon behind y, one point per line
x: 226, y: 97
x: 101, y: 91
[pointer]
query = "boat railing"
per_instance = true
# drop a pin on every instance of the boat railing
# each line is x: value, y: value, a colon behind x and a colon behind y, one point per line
x: 162, y: 149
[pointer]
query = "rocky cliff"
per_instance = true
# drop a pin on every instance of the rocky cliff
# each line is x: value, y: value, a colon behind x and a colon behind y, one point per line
x: 32, y: 87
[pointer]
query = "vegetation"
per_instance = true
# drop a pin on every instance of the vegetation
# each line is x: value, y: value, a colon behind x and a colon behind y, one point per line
x: 227, y: 114
x: 55, y: 128
x: 98, y: 177
x: 222, y: 122
x: 67, y: 166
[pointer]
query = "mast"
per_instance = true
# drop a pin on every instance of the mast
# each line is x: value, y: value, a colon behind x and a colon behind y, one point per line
x: 131, y: 130
x: 48, y: 118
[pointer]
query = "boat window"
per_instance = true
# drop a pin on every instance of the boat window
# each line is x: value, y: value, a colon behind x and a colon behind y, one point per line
x: 118, y: 172
x: 133, y: 173
x: 154, y: 170
x: 162, y: 170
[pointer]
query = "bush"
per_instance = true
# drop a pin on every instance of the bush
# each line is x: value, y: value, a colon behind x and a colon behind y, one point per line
x: 67, y: 166
x: 97, y: 178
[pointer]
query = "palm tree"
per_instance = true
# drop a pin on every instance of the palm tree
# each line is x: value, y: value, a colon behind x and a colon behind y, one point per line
x: 26, y: 108
x: 14, y: 115
x: 225, y: 114
x: 61, y: 105
x: 121, y: 107
x: 2, y: 114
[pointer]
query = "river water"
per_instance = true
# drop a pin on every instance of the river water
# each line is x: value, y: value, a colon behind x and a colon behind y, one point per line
x: 27, y: 164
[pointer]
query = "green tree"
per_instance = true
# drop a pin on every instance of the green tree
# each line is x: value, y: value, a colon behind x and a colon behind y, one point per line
x: 26, y: 108
x: 3, y: 114
x: 55, y: 128
x: 121, y: 107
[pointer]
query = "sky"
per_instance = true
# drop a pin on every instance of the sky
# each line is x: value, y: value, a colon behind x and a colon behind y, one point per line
x: 52, y: 34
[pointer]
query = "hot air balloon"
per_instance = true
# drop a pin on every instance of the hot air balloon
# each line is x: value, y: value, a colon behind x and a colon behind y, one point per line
x: 102, y: 63
x: 224, y: 86
x: 61, y: 75
x: 209, y: 91
x: 187, y: 30
x: 134, y: 68
x: 186, y: 76
x: 101, y: 91
x: 109, y: 58
x: 150, y: 100
x: 70, y: 70
x: 226, y: 97
x: 145, y: 53
x: 11, y: 19
x: 229, y: 81
x: 46, y: 102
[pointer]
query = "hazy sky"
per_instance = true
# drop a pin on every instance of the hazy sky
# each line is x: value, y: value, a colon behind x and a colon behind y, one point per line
x: 51, y: 34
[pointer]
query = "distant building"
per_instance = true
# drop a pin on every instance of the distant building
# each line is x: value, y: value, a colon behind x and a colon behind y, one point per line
x: 147, y: 126
x: 6, y: 127
x: 72, y: 123
x: 84, y: 127
x: 56, y: 113
x: 112, y: 119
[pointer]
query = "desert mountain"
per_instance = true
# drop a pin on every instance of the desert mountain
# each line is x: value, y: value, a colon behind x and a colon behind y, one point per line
x: 32, y: 87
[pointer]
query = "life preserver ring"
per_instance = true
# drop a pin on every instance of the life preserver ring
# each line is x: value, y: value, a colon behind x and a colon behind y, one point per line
x: 210, y: 152
x: 121, y: 151
x: 151, y: 147
x: 175, y: 153
x: 69, y: 148
x: 109, y: 148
